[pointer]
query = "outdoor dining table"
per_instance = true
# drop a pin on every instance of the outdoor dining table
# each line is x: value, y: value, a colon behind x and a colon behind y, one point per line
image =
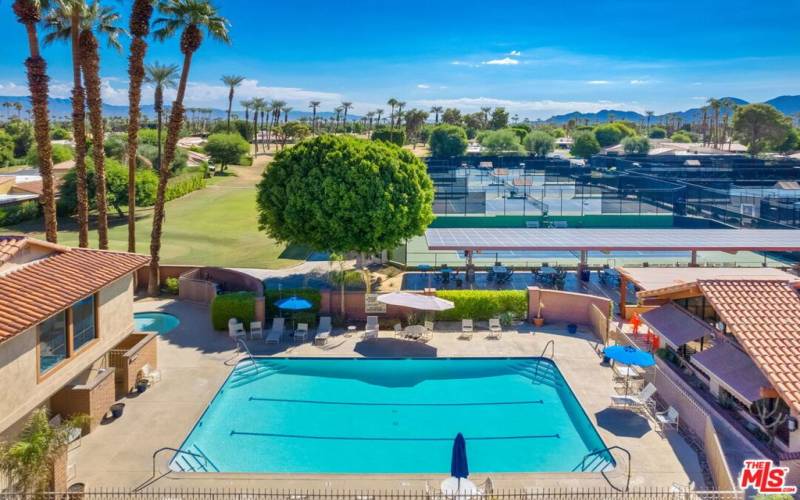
x: 414, y: 331
x: 500, y: 270
x: 453, y: 487
x: 626, y: 371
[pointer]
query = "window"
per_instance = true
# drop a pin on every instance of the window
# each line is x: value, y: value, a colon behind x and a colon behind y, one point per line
x: 83, y: 322
x: 52, y: 341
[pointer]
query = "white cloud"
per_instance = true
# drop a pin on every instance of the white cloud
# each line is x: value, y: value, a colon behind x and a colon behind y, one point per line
x: 515, y: 53
x: 698, y: 98
x: 598, y: 82
x: 506, y: 61
x: 532, y: 109
x: 423, y: 86
x: 12, y: 89
x: 640, y: 82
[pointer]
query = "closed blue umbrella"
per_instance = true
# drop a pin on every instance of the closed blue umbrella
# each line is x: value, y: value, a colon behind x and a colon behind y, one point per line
x: 458, y: 463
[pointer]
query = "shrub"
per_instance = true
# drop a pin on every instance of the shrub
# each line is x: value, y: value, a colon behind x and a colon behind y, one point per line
x: 448, y: 140
x: 483, y: 304
x: 22, y: 133
x: 636, y: 145
x: 657, y: 133
x: 14, y: 214
x: 171, y: 286
x: 502, y: 142
x: 680, y: 137
x: 184, y: 184
x: 585, y: 145
x: 239, y: 305
x: 226, y: 149
x: 60, y: 134
x: 385, y: 134
x: 6, y: 149
x: 116, y: 146
x: 116, y: 183
x: 610, y: 134
x: 539, y: 143
x: 61, y: 153
x: 150, y: 136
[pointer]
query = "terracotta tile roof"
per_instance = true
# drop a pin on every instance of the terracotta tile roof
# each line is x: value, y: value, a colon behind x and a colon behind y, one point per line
x: 10, y: 246
x: 36, y: 291
x: 764, y: 316
x: 34, y: 187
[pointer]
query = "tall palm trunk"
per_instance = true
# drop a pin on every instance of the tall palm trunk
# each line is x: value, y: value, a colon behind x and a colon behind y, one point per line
x: 29, y: 15
x: 190, y: 42
x: 230, y: 107
x: 255, y: 131
x: 90, y: 62
x: 314, y: 120
x: 140, y: 27
x: 79, y: 132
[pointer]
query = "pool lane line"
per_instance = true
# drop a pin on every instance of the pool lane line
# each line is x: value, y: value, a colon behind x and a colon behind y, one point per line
x: 357, y: 438
x: 348, y: 403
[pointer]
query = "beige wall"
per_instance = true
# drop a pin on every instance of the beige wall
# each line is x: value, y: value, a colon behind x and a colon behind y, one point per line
x: 20, y: 389
x: 566, y: 307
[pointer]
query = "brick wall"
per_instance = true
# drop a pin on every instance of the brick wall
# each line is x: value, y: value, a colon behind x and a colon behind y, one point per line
x: 59, y: 479
x: 92, y: 399
x: 145, y: 352
x: 102, y: 396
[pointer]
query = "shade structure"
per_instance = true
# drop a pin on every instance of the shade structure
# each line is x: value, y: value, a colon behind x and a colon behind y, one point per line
x: 293, y: 303
x: 629, y: 355
x: 458, y: 462
x: 416, y: 301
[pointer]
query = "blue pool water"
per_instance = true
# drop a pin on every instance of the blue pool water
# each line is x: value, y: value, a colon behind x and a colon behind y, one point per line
x: 392, y: 416
x: 155, y: 322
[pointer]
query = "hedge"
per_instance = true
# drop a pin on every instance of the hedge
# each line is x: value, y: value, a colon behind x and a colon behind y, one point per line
x: 184, y: 184
x: 483, y: 304
x: 239, y: 305
x: 310, y: 294
x: 14, y: 214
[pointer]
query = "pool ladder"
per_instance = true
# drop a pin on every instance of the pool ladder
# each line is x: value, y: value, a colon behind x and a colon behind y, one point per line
x: 594, y: 454
x: 242, y: 347
x: 552, y: 345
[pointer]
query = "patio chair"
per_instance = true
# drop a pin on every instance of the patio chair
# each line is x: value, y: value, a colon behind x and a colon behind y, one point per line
x: 256, y: 332
x: 495, y: 330
x: 643, y: 400
x: 466, y: 329
x: 276, y: 332
x: 372, y: 329
x: 668, y: 418
x: 301, y: 332
x: 323, y: 330
x: 236, y: 329
x: 398, y: 330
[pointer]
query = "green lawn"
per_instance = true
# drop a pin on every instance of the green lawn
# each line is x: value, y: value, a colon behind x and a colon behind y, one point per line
x: 216, y: 226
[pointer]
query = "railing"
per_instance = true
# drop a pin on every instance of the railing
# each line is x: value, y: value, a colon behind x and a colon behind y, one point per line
x: 255, y: 494
x: 240, y: 344
x: 552, y: 346
x: 155, y: 465
x: 608, y: 450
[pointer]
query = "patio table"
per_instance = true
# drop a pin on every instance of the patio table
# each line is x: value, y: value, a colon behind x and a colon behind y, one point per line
x: 414, y: 331
x: 452, y: 487
x: 500, y: 269
x: 626, y: 371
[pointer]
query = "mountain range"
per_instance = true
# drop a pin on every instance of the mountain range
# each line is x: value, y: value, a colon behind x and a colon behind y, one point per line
x: 787, y: 104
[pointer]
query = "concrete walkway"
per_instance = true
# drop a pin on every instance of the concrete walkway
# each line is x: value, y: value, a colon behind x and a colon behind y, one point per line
x: 194, y: 361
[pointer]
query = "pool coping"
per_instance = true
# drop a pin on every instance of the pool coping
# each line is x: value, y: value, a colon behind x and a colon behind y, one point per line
x: 613, y: 466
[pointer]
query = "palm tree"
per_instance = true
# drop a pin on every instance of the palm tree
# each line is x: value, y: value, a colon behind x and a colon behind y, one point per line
x: 486, y: 110
x: 436, y: 110
x: 63, y: 23
x: 314, y: 105
x: 189, y: 16
x: 370, y: 116
x: 274, y: 115
x: 18, y: 107
x: 346, y: 105
x: 231, y: 81
x: 29, y: 462
x: 139, y: 27
x: 161, y: 77
x: 715, y: 105
x: 393, y: 103
x: 378, y: 113
x: 338, y: 111
x: 258, y: 107
x: 29, y: 14
x: 247, y: 105
x: 649, y: 116
x: 286, y: 110
x: 104, y: 21
x: 400, y: 106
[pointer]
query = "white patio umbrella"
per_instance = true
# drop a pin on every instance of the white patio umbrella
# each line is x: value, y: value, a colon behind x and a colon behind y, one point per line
x: 416, y: 301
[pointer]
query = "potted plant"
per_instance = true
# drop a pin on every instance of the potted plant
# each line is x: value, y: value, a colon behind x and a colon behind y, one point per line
x: 29, y: 463
x: 507, y: 318
x: 538, y: 320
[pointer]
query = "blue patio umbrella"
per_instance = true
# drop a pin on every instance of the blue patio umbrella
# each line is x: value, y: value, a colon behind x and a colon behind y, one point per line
x: 293, y: 303
x: 629, y: 355
x: 458, y: 462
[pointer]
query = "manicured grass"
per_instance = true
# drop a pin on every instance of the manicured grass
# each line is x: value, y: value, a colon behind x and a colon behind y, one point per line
x: 216, y: 226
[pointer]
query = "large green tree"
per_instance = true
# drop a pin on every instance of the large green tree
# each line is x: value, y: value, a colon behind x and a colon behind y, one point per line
x: 758, y: 125
x: 636, y: 145
x: 226, y: 149
x: 502, y: 142
x: 344, y: 194
x: 539, y: 143
x: 584, y: 145
x: 448, y: 140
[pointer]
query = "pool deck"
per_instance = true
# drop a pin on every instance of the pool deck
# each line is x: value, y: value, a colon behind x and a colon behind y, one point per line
x: 195, y: 361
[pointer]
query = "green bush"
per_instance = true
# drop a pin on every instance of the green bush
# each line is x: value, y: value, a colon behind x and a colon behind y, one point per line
x: 448, y: 140
x: 610, y: 134
x: 184, y: 184
x: 680, y: 136
x: 14, y: 214
x: 658, y: 133
x: 386, y: 134
x: 239, y: 305
x: 481, y: 305
x: 310, y: 294
x: 636, y: 145
x: 171, y: 286
x: 226, y: 149
x: 61, y: 153
x: 116, y: 184
x: 584, y: 145
x: 539, y: 143
x: 501, y: 142
x: 60, y: 134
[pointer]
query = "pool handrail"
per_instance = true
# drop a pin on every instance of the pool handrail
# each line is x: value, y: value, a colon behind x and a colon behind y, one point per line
x: 178, y: 452
x: 608, y: 449
x: 242, y: 344
x: 552, y: 345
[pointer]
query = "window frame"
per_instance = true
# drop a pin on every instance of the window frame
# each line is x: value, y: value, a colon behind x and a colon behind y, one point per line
x: 72, y: 353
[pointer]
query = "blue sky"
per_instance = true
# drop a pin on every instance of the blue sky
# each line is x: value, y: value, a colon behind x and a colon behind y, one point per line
x: 536, y: 58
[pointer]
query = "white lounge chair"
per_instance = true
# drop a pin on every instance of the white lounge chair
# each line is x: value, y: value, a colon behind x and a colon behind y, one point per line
x: 668, y: 418
x: 323, y: 330
x: 152, y: 376
x: 256, y: 332
x: 466, y: 329
x: 276, y: 332
x: 236, y: 329
x: 398, y: 330
x: 301, y: 332
x: 495, y: 329
x: 643, y: 400
x: 372, y: 329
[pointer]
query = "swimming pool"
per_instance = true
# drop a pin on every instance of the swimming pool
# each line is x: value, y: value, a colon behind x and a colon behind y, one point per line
x: 367, y: 416
x: 155, y: 322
